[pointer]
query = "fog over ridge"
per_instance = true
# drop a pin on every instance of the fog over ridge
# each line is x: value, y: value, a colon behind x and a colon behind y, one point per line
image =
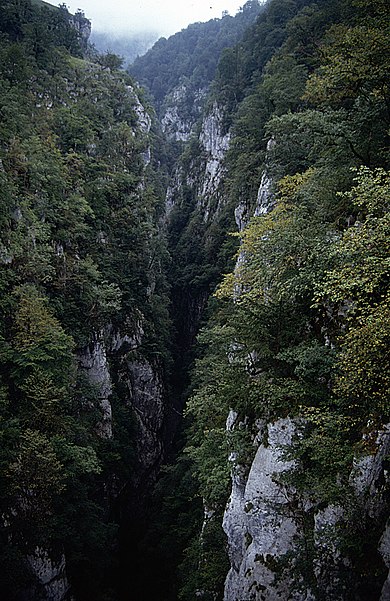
x: 126, y: 16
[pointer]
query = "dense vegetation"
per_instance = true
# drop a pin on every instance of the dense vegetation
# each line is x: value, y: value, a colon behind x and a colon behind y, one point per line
x: 301, y: 326
x: 191, y: 54
x: 298, y: 326
x: 79, y: 253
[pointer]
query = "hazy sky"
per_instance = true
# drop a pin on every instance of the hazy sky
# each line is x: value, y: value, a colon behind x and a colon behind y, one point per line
x: 164, y: 16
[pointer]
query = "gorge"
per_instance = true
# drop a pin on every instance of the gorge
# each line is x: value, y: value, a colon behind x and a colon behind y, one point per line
x: 194, y: 308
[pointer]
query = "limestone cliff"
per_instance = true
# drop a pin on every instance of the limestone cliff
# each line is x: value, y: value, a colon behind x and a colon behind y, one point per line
x: 83, y: 26
x: 264, y: 523
x: 281, y: 545
x: 202, y: 170
x: 260, y: 524
x: 51, y: 581
x: 195, y: 206
x: 181, y: 111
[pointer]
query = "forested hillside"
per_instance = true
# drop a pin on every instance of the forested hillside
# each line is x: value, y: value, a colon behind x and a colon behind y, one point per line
x: 291, y: 391
x: 194, y: 396
x: 84, y: 322
x: 192, y: 53
x: 178, y: 71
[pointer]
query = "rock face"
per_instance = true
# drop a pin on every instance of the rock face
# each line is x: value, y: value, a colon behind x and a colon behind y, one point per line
x: 370, y: 476
x: 181, y: 111
x: 331, y: 569
x: 93, y: 361
x: 205, y: 175
x: 265, y: 196
x: 264, y: 529
x: 259, y: 525
x: 83, y: 27
x: 146, y: 396
x: 142, y: 381
x: 144, y: 122
x: 215, y: 143
x: 51, y: 581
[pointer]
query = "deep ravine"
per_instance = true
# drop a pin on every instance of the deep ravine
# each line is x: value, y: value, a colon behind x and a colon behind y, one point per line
x: 194, y: 310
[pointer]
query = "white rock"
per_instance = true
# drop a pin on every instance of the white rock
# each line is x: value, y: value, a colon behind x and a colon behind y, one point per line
x: 215, y: 144
x: 257, y: 523
x: 50, y: 574
x: 93, y: 359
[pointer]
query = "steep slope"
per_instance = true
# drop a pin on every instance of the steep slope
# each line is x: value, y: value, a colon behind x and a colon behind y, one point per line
x: 288, y: 394
x: 282, y: 490
x: 179, y: 70
x: 84, y: 322
x: 217, y: 176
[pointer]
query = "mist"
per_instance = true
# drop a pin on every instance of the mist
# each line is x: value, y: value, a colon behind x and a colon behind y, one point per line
x: 134, y: 16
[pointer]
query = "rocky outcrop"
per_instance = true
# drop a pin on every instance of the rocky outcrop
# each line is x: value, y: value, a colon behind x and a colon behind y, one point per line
x: 83, y: 26
x: 204, y: 176
x: 141, y: 379
x: 93, y: 361
x: 215, y: 143
x: 146, y: 396
x: 205, y: 173
x: 265, y: 197
x: 264, y: 525
x: 181, y: 111
x: 50, y: 576
x: 259, y: 524
x: 144, y: 121
x: 370, y: 477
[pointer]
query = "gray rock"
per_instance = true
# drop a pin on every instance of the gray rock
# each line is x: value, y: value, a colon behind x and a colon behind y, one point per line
x: 206, y: 176
x: 265, y: 198
x: 93, y: 360
x: 147, y: 399
x: 82, y: 25
x: 181, y: 111
x: 384, y: 549
x: 264, y: 529
x: 215, y: 143
x: 52, y: 582
x: 258, y: 524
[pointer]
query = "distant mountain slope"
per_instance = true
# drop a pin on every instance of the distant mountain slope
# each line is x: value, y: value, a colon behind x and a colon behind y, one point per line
x: 129, y: 46
x: 192, y: 53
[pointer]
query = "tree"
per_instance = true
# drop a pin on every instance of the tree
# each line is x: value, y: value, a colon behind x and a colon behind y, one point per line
x: 358, y: 285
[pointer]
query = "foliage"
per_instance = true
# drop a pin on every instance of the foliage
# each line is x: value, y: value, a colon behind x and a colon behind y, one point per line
x: 359, y: 280
x: 80, y: 252
x: 300, y: 326
x: 192, y: 53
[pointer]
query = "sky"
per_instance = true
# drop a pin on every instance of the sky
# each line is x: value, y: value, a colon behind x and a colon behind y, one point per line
x: 162, y: 16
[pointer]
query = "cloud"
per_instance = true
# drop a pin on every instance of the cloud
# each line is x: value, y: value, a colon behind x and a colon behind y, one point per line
x: 165, y: 17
